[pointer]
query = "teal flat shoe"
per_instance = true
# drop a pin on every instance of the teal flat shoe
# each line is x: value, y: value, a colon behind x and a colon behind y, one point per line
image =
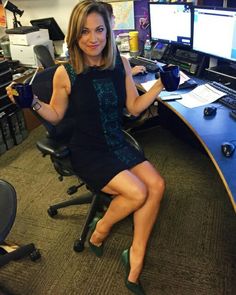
x: 97, y: 250
x: 136, y: 288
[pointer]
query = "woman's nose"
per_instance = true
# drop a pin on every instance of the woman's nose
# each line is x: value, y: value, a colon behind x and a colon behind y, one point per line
x: 92, y: 37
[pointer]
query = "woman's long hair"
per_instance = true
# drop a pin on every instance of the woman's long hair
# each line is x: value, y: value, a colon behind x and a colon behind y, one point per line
x: 76, y: 24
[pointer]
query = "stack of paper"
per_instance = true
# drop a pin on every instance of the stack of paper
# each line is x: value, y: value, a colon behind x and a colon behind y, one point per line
x: 201, y: 95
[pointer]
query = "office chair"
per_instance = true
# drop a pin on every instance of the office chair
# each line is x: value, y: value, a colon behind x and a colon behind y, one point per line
x: 44, y: 56
x: 8, y: 206
x: 54, y: 144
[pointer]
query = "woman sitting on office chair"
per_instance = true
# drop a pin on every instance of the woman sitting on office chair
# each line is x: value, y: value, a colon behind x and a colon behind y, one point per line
x: 98, y: 84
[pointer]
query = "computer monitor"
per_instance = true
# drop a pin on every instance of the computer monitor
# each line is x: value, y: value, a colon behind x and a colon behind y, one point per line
x: 171, y: 23
x: 55, y: 32
x: 214, y: 32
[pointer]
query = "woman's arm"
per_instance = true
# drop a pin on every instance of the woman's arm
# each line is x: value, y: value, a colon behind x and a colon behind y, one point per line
x: 54, y: 111
x: 136, y: 103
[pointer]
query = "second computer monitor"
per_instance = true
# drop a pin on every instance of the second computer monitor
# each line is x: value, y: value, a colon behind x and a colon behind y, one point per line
x: 55, y: 32
x: 215, y: 32
x: 171, y: 23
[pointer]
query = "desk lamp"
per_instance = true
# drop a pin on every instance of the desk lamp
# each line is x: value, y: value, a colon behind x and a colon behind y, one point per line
x: 11, y: 7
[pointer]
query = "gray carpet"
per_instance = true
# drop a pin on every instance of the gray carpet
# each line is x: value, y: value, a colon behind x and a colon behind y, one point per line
x: 191, y: 250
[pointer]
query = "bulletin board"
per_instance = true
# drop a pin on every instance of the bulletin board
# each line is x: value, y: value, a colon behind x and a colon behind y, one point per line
x: 124, y: 15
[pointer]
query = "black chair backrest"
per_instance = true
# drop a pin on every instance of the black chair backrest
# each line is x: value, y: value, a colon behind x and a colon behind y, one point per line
x: 43, y: 87
x: 44, y: 56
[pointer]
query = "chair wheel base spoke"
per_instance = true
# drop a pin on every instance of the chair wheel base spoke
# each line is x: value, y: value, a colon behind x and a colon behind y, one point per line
x: 72, y: 190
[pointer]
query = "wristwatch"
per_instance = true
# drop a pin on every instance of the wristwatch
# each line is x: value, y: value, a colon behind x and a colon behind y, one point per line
x: 36, y: 106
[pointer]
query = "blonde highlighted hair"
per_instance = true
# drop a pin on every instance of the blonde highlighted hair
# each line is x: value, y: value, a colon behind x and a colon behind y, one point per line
x: 76, y: 24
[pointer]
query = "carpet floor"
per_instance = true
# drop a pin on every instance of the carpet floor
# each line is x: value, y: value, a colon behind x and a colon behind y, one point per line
x: 191, y: 250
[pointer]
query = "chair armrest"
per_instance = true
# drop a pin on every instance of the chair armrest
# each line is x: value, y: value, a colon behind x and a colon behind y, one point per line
x: 48, y: 146
x: 132, y: 141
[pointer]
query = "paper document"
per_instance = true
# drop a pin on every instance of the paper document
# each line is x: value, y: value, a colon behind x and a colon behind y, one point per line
x: 147, y: 85
x: 201, y: 95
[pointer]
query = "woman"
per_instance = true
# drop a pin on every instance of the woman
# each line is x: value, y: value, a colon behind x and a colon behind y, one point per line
x: 98, y: 84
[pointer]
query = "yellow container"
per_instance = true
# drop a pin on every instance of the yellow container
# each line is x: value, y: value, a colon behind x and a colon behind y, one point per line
x: 133, y: 41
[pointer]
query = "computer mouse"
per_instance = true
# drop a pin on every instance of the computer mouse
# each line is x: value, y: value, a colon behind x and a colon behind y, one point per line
x: 142, y: 73
x: 209, y: 111
x: 227, y: 148
x: 157, y: 74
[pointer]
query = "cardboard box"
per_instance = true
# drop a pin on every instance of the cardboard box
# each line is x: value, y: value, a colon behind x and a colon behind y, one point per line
x: 28, y: 39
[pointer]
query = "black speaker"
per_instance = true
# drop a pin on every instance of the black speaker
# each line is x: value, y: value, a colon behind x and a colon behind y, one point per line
x: 14, y: 128
x: 5, y: 128
x: 22, y: 124
x: 3, y: 147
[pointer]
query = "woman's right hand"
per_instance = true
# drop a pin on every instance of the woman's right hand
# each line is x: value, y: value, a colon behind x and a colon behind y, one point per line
x: 11, y: 92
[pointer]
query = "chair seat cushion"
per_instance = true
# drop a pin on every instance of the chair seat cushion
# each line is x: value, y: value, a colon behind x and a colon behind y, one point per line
x: 8, y: 204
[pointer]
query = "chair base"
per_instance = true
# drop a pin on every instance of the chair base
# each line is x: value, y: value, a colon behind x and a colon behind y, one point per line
x: 14, y: 252
x: 97, y: 202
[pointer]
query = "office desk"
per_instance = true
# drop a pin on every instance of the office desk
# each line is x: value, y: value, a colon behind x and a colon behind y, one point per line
x: 210, y: 132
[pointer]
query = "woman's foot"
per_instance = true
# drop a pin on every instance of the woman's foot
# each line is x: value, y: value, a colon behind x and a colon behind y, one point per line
x: 97, y: 237
x: 131, y: 278
x: 136, y: 265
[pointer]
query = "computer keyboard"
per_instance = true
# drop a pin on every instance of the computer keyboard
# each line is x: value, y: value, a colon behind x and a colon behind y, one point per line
x: 229, y: 99
x: 150, y: 65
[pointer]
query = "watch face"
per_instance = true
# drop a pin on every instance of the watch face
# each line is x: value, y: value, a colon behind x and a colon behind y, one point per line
x: 36, y: 106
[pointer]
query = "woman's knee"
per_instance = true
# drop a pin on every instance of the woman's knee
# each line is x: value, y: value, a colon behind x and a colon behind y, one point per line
x: 157, y: 186
x: 138, y: 195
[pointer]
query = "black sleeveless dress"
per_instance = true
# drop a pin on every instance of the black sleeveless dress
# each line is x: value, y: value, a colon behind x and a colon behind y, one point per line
x: 98, y: 147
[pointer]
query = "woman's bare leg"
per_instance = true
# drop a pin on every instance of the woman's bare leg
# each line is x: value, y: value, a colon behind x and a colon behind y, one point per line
x: 130, y: 194
x: 139, y: 191
x: 145, y: 217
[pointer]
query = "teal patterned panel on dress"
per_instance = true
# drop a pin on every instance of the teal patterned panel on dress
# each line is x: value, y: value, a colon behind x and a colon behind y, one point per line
x: 108, y: 107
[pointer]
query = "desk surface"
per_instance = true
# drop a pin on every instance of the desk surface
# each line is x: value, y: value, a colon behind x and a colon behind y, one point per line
x: 211, y: 132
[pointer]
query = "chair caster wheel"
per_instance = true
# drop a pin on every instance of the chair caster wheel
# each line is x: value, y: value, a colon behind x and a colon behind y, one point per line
x: 78, y: 246
x: 35, y: 255
x: 52, y: 212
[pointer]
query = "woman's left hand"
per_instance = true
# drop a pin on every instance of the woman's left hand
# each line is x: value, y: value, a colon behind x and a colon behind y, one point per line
x: 138, y: 70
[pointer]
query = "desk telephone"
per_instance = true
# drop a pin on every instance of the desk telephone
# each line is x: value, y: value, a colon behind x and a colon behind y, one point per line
x: 191, y: 62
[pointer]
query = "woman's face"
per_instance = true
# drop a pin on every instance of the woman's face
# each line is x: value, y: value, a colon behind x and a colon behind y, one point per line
x: 93, y: 37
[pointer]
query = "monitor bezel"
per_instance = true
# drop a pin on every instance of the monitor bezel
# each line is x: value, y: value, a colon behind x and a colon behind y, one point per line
x: 212, y: 8
x: 52, y: 23
x: 166, y: 41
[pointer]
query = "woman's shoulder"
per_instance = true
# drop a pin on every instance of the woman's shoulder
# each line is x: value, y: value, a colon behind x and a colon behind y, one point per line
x: 67, y: 68
x: 125, y: 63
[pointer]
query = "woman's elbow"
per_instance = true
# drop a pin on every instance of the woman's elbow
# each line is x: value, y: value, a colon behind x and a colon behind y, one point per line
x: 56, y: 120
x: 133, y: 112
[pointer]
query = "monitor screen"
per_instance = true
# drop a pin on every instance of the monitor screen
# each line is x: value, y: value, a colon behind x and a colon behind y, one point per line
x: 171, y: 23
x: 55, y: 32
x: 214, y: 32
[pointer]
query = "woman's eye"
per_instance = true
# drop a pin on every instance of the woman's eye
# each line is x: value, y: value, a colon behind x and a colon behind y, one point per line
x: 84, y: 32
x: 100, y: 30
